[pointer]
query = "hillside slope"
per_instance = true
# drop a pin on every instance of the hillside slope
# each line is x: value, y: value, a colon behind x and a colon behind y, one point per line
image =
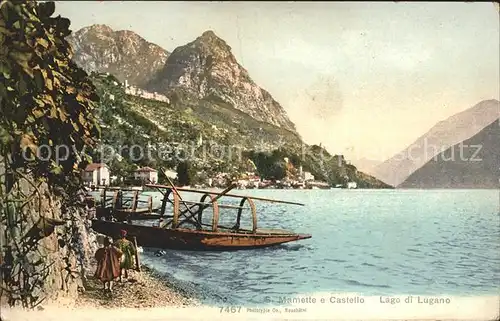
x: 205, y: 133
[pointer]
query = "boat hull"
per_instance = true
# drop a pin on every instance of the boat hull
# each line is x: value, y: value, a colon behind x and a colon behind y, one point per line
x: 186, y: 239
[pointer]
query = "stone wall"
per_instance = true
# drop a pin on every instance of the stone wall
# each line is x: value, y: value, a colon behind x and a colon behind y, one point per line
x: 64, y: 243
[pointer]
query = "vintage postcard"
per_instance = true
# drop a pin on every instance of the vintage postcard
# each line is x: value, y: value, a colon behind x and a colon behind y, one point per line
x: 249, y: 160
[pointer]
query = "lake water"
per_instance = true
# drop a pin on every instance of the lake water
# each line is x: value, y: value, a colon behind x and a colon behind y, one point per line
x: 367, y: 242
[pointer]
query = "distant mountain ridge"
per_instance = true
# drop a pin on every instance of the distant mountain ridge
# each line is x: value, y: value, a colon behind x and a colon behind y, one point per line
x: 443, y: 135
x: 122, y: 53
x: 473, y: 163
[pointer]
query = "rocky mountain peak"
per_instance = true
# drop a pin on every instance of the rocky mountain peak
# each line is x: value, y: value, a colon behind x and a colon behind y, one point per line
x: 209, y: 38
x: 207, y: 68
x: 209, y: 34
x: 97, y: 28
x: 122, y: 53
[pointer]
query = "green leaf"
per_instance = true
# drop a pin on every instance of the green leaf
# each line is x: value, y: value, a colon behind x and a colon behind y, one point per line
x: 80, y: 98
x: 56, y: 169
x: 44, y: 43
x: 53, y: 112
x: 48, y: 83
x: 22, y: 58
x: 63, y: 115
x: 75, y: 126
x: 38, y: 113
x: 27, y: 142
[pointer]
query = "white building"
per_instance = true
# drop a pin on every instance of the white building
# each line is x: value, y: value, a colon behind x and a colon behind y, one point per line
x: 96, y: 174
x: 135, y: 91
x: 308, y: 176
x: 305, y: 176
x: 170, y: 174
x: 352, y: 185
x: 147, y: 174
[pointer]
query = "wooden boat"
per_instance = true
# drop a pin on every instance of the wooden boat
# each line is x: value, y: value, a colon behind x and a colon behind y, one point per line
x: 188, y: 239
x: 184, y: 229
x: 117, y: 205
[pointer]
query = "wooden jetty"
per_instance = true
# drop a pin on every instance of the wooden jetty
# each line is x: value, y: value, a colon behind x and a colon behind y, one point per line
x: 184, y: 229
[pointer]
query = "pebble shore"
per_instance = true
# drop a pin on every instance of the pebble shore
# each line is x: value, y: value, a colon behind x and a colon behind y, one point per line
x: 145, y: 289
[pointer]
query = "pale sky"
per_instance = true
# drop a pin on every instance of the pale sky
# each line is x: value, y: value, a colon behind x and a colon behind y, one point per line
x: 364, y: 79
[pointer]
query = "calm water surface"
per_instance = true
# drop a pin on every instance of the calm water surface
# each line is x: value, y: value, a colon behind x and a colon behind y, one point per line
x: 369, y: 242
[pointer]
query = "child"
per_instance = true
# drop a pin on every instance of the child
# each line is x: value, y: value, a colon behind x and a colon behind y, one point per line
x: 108, y: 264
x: 128, y: 250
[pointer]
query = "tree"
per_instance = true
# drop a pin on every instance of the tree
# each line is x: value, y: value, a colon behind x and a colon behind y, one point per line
x: 270, y: 165
x: 184, y: 173
x: 277, y: 170
x: 47, y: 128
x: 46, y: 100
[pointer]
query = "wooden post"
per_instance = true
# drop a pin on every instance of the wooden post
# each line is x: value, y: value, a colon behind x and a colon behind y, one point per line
x: 103, y: 198
x: 175, y: 219
x: 150, y: 204
x: 120, y: 194
x: 163, y: 207
x: 134, y: 200
x: 137, y: 260
x: 115, y: 200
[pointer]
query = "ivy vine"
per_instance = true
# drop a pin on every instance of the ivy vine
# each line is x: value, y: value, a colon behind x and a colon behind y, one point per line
x: 47, y: 130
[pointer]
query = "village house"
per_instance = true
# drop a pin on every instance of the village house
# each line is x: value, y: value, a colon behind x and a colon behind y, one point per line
x: 96, y: 174
x: 305, y: 176
x: 170, y: 173
x: 352, y: 185
x: 135, y: 91
x: 146, y: 174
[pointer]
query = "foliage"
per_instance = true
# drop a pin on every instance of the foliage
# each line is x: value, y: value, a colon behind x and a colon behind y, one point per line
x: 185, y: 173
x: 46, y: 101
x: 269, y: 165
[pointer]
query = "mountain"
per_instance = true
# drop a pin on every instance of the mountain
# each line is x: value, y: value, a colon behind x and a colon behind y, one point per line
x: 443, y: 135
x: 215, y: 115
x: 206, y: 69
x: 122, y: 53
x: 473, y: 163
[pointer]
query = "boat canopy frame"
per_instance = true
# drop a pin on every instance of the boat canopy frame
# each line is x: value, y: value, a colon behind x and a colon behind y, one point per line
x: 195, y: 216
